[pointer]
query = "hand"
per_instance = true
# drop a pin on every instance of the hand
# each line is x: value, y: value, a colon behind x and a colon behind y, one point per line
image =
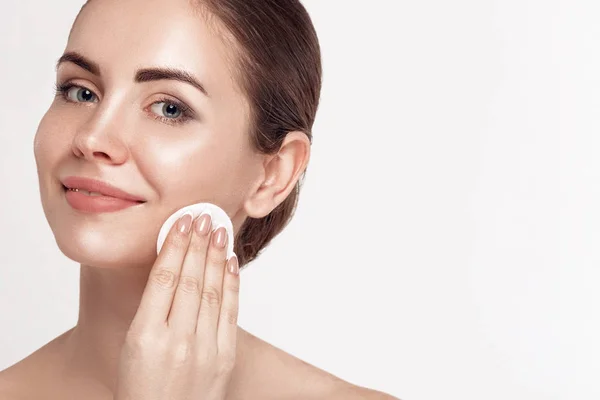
x: 182, y: 341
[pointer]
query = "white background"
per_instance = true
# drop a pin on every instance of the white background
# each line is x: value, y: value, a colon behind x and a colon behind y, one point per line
x: 465, y: 133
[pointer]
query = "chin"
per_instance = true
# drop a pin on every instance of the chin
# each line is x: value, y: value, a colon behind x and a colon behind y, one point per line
x: 124, y: 238
x: 107, y: 252
x: 108, y: 240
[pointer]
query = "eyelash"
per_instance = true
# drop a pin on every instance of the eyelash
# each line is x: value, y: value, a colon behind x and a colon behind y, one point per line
x: 186, y: 112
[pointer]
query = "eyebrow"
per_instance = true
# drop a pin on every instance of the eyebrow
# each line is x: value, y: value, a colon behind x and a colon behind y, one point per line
x: 141, y: 75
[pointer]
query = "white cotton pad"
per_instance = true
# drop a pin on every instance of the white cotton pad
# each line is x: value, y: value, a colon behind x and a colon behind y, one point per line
x: 218, y: 216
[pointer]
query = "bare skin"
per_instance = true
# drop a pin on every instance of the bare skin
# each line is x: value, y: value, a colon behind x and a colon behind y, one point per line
x: 112, y: 128
x: 263, y: 372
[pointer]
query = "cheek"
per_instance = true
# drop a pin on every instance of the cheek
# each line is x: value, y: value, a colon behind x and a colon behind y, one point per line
x: 195, y: 170
x: 182, y: 168
x: 50, y: 142
x: 49, y: 145
x: 42, y: 144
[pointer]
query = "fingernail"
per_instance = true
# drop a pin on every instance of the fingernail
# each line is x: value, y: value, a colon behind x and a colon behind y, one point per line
x: 234, y: 266
x: 185, y: 222
x: 203, y: 224
x: 220, y: 237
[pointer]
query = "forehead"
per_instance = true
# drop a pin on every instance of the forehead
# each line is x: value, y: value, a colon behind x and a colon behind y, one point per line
x: 125, y: 35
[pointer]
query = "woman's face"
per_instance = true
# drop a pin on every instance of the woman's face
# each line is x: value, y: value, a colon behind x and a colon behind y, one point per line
x: 128, y: 129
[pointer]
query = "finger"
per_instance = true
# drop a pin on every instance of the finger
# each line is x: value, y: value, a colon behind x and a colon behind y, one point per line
x: 227, y: 328
x: 210, y: 303
x: 158, y: 293
x: 184, y: 312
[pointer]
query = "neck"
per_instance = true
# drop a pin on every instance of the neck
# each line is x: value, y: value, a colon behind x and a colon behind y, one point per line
x: 108, y: 302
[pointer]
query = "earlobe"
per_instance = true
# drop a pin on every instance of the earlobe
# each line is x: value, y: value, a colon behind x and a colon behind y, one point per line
x: 281, y: 173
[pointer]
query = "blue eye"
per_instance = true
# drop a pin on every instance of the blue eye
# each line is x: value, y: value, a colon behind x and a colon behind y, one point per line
x: 167, y: 109
x: 82, y: 94
x: 182, y: 112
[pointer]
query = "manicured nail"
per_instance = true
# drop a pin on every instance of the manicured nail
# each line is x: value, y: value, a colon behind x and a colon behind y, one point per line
x: 220, y: 237
x: 234, y: 266
x: 185, y: 223
x: 203, y: 224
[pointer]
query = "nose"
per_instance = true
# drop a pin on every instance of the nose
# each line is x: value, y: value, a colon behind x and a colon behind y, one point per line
x: 97, y: 142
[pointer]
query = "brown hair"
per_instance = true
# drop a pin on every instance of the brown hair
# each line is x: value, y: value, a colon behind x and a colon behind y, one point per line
x: 278, y: 66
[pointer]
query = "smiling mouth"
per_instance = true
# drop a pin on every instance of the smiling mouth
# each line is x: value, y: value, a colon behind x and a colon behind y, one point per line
x: 84, y: 191
x: 94, y: 194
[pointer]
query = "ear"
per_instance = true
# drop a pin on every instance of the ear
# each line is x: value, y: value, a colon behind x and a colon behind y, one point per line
x: 280, y: 172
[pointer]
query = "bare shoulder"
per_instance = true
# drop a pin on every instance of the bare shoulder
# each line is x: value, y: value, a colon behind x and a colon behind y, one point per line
x: 11, y: 384
x: 276, y: 374
x: 353, y: 392
x: 16, y: 380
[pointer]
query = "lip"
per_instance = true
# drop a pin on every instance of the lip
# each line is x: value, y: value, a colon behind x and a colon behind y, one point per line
x: 111, y: 198
x: 94, y: 185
